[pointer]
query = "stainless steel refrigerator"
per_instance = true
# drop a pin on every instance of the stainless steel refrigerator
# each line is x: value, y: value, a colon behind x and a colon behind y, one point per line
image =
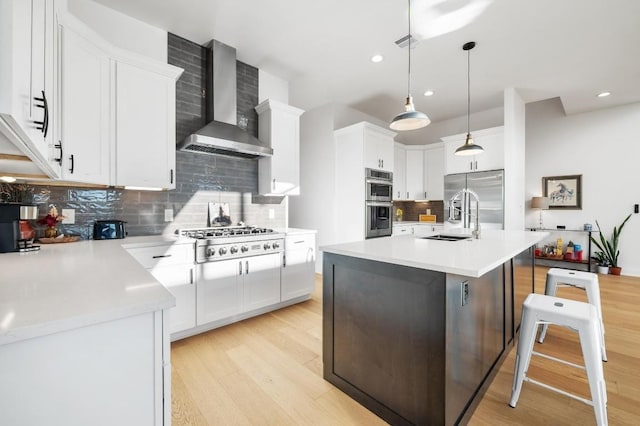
x: 460, y: 208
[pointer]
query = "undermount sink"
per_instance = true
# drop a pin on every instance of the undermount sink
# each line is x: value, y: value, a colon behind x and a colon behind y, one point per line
x: 441, y: 237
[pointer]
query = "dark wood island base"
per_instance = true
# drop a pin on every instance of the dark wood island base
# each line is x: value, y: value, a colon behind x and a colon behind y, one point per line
x: 417, y: 346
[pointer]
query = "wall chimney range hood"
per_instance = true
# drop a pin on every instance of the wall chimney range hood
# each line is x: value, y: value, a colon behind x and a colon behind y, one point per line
x: 221, y: 135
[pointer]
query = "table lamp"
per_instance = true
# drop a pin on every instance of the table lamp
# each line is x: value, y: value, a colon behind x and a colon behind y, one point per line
x: 541, y: 203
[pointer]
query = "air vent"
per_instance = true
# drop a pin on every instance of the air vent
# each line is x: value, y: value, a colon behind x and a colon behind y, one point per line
x: 404, y: 42
x: 203, y: 149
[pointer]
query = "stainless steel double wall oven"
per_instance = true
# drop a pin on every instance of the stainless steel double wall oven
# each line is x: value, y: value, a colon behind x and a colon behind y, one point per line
x: 378, y: 203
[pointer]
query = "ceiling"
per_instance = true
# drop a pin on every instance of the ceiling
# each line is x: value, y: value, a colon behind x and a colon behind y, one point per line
x: 572, y: 49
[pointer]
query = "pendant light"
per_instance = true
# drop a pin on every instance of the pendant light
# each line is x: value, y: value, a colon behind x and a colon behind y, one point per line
x: 410, y: 119
x: 469, y: 148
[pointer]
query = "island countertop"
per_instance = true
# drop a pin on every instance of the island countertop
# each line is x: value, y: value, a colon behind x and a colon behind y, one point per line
x: 471, y: 257
x: 66, y: 286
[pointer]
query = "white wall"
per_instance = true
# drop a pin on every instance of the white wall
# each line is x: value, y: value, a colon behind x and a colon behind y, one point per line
x: 603, y: 147
x: 514, y: 154
x: 121, y: 30
x: 316, y: 205
x: 272, y: 87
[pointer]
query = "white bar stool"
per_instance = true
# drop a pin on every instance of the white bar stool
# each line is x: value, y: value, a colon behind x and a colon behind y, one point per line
x: 579, y: 316
x: 587, y: 281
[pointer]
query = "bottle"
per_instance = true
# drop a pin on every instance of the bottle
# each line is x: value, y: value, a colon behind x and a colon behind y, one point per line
x: 559, y: 247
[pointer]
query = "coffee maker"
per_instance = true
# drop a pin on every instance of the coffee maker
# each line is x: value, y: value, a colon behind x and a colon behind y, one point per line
x: 11, y: 239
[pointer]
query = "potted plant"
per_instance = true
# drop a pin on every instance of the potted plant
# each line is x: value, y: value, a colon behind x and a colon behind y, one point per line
x: 601, y: 261
x: 609, y: 247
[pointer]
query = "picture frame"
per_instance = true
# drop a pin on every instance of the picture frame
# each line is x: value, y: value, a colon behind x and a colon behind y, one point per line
x: 563, y: 192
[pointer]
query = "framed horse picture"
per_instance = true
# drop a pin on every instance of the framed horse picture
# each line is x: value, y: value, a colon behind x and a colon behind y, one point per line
x: 563, y: 192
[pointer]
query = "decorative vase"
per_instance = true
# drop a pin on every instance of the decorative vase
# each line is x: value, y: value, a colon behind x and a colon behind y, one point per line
x: 603, y: 269
x: 615, y: 270
x: 51, y: 232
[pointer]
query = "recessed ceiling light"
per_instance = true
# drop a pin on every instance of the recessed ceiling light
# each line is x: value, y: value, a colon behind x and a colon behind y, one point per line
x: 603, y: 94
x: 429, y: 93
x: 377, y: 58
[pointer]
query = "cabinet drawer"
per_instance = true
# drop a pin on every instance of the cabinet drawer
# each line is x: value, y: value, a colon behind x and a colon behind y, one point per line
x: 166, y: 254
x: 298, y: 242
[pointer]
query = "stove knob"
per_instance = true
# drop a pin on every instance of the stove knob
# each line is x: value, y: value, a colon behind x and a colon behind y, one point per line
x: 222, y: 250
x: 267, y: 246
x: 276, y: 245
x: 233, y: 250
x: 211, y: 252
x: 244, y: 249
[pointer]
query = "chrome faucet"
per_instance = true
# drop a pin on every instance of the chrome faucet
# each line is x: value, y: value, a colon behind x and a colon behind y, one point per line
x: 465, y: 195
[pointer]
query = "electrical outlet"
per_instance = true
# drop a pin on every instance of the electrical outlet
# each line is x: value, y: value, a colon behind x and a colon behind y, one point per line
x: 465, y: 292
x: 69, y: 216
x: 168, y: 215
x: 272, y: 214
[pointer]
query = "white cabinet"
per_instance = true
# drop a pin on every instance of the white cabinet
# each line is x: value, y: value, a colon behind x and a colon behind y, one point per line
x: 298, y: 266
x: 279, y: 127
x: 110, y: 373
x: 423, y: 229
x: 492, y: 140
x: 27, y: 80
x: 434, y: 172
x: 415, y: 174
x: 145, y: 127
x: 399, y: 172
x: 84, y: 109
x: 400, y: 229
x: 378, y: 147
x: 261, y: 281
x: 173, y: 265
x: 228, y: 288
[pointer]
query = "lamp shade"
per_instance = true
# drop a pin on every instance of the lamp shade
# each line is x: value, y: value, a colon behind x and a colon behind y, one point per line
x: 540, y: 203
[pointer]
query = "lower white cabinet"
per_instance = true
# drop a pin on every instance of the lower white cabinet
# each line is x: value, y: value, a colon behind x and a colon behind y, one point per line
x: 399, y: 229
x: 423, y: 229
x: 230, y: 287
x: 173, y: 265
x: 110, y: 373
x: 298, y: 266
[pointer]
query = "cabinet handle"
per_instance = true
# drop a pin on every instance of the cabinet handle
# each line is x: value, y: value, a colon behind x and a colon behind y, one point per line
x: 382, y: 161
x: 476, y: 164
x: 191, y: 276
x: 284, y: 260
x: 59, y: 146
x: 72, y: 164
x: 240, y: 269
x: 159, y: 256
x: 44, y: 124
x: 471, y: 165
x: 273, y: 188
x: 247, y: 267
x: 407, y: 195
x: 425, y: 195
x: 171, y: 176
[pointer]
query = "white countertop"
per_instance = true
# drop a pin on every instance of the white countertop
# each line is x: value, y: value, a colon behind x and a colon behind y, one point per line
x: 66, y: 286
x: 295, y: 231
x: 415, y: 222
x: 471, y: 258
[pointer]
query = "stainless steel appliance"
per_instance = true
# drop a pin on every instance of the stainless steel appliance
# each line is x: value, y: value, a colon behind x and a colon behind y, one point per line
x: 109, y: 229
x: 238, y: 271
x: 222, y: 243
x: 468, y: 193
x: 11, y: 232
x: 379, y: 185
x: 378, y: 203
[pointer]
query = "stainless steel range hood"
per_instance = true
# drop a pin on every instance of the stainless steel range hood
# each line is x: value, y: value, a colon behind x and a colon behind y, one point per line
x: 221, y: 135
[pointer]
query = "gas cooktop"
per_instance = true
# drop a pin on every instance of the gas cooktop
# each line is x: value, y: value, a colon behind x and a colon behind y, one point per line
x: 222, y: 232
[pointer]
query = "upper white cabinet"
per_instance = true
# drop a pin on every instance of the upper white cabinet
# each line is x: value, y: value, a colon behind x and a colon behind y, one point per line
x: 378, y: 147
x: 492, y: 140
x: 415, y: 173
x: 434, y: 172
x: 84, y: 109
x: 399, y: 172
x: 145, y: 127
x: 27, y: 80
x: 279, y: 127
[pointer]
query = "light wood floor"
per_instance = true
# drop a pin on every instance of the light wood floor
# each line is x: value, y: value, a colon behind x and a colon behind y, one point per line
x: 268, y: 371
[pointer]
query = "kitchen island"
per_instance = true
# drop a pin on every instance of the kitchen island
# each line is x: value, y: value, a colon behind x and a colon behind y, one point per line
x: 83, y: 336
x: 414, y: 328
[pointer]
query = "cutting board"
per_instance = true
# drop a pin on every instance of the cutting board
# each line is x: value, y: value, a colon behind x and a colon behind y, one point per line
x: 427, y: 218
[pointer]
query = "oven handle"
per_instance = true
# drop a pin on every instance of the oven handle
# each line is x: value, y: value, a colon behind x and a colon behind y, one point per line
x: 379, y: 204
x: 379, y: 181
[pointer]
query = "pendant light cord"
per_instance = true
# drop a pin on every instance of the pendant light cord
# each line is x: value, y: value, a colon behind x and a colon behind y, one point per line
x: 468, y: 90
x: 409, y: 79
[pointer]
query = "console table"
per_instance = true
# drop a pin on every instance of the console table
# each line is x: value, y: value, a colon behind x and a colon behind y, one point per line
x: 579, y: 265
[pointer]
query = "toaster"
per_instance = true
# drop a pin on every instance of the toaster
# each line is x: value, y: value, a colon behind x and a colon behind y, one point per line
x: 109, y: 229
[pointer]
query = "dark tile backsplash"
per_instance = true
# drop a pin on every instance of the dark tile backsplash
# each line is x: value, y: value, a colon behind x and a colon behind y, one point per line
x: 200, y: 178
x: 411, y: 209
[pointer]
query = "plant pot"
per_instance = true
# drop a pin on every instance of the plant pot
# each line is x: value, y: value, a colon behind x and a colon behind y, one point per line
x: 615, y: 270
x: 51, y: 232
x: 603, y: 269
